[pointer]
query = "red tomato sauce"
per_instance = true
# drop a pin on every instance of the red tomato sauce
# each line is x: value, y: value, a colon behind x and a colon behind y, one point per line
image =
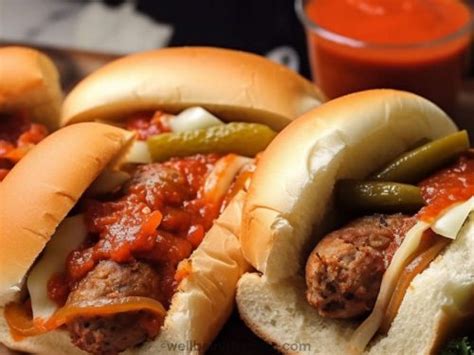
x: 58, y: 288
x: 390, y: 21
x: 160, y: 218
x: 147, y: 124
x: 17, y: 135
x: 450, y: 185
x: 340, y: 68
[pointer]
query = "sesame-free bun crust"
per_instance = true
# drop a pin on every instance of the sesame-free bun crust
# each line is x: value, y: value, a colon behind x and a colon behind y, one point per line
x: 232, y: 84
x: 350, y: 137
x: 29, y: 81
x: 43, y: 187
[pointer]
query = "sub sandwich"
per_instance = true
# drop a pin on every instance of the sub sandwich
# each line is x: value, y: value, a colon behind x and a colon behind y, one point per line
x: 368, y: 246
x: 128, y: 236
x: 30, y: 99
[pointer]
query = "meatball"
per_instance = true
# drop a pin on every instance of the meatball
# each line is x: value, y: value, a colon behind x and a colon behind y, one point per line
x: 166, y: 182
x: 345, y: 270
x: 113, y: 334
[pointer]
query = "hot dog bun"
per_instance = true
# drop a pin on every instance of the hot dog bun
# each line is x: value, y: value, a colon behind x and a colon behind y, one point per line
x: 29, y: 81
x: 42, y: 188
x: 65, y: 164
x: 349, y: 137
x: 231, y: 84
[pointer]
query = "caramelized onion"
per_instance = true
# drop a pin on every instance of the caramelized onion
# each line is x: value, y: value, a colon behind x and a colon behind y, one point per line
x: 22, y: 325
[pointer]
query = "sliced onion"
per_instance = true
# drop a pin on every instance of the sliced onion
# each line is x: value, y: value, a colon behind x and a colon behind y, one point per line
x: 138, y: 154
x: 70, y: 234
x: 241, y: 182
x: 107, y: 182
x: 194, y: 118
x: 365, y: 332
x: 220, y: 178
x: 22, y: 325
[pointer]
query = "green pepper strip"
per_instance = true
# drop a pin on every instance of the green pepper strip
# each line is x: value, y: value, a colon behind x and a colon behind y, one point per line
x: 378, y: 196
x: 416, y: 164
x: 246, y: 139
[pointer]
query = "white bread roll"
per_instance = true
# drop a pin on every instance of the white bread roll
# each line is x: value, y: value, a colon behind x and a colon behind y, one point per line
x: 199, y: 308
x: 231, y: 84
x: 39, y: 192
x: 349, y: 137
x: 33, y: 204
x: 29, y: 81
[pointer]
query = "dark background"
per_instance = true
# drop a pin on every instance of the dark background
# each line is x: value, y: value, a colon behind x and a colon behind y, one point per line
x: 257, y: 26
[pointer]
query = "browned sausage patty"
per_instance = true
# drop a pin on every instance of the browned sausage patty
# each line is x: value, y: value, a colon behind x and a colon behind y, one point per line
x: 112, y: 334
x: 345, y: 270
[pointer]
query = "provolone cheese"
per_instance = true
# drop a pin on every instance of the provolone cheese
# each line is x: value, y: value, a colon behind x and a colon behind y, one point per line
x: 107, y: 182
x: 451, y: 221
x: 369, y: 327
x: 70, y: 234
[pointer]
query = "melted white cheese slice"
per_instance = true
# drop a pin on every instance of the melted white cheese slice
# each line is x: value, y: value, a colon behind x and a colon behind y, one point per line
x: 69, y: 235
x: 448, y: 225
x: 365, y: 332
x: 107, y: 182
x: 451, y: 221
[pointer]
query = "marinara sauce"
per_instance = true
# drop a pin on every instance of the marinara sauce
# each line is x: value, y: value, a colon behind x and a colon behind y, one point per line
x: 147, y: 124
x: 450, y: 185
x: 160, y: 217
x: 414, y: 45
x: 17, y: 135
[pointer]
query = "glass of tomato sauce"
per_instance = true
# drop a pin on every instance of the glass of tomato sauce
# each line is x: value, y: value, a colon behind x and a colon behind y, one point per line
x: 414, y: 45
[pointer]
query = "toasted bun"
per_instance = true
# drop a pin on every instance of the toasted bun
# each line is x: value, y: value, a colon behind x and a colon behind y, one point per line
x: 349, y: 137
x: 43, y: 187
x: 29, y: 81
x: 198, y: 309
x: 231, y: 84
